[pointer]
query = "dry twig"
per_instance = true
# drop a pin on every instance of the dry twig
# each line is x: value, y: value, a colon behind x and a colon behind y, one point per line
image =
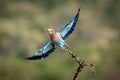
x: 81, y: 64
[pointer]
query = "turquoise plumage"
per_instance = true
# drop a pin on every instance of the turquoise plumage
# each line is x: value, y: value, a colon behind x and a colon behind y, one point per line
x: 69, y: 28
x: 56, y: 39
x: 61, y: 43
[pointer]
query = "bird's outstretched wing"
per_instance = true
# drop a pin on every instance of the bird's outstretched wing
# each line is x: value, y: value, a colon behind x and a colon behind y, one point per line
x: 43, y: 52
x: 69, y: 27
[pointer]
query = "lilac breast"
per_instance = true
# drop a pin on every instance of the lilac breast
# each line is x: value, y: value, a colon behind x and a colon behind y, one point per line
x: 55, y: 37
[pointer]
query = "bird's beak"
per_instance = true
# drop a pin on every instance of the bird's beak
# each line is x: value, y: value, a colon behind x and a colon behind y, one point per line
x: 48, y: 30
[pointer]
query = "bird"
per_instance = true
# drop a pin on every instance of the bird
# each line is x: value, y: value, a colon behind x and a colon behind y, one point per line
x: 56, y: 39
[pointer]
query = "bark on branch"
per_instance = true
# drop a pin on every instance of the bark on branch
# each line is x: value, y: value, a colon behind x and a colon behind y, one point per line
x: 81, y: 64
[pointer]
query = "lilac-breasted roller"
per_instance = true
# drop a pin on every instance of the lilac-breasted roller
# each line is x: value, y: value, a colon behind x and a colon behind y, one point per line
x: 56, y: 38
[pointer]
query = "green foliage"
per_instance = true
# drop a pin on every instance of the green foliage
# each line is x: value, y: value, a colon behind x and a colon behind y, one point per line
x: 14, y: 69
x: 23, y: 25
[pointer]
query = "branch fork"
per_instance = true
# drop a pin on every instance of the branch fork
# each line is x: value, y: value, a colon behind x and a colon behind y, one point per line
x: 81, y: 64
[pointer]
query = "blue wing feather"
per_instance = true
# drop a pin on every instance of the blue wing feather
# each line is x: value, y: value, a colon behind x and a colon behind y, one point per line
x: 43, y: 52
x: 49, y: 47
x: 69, y: 28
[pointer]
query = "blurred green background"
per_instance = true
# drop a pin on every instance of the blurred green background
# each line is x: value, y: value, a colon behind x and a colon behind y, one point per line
x: 23, y: 25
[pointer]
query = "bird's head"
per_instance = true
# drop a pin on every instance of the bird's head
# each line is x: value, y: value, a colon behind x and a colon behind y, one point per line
x: 51, y: 31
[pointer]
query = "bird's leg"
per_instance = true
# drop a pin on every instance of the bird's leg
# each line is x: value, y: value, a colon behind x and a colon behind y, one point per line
x: 81, y: 63
x: 67, y: 45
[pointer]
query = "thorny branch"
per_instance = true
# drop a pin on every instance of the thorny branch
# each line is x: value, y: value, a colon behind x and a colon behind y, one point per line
x: 81, y: 64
